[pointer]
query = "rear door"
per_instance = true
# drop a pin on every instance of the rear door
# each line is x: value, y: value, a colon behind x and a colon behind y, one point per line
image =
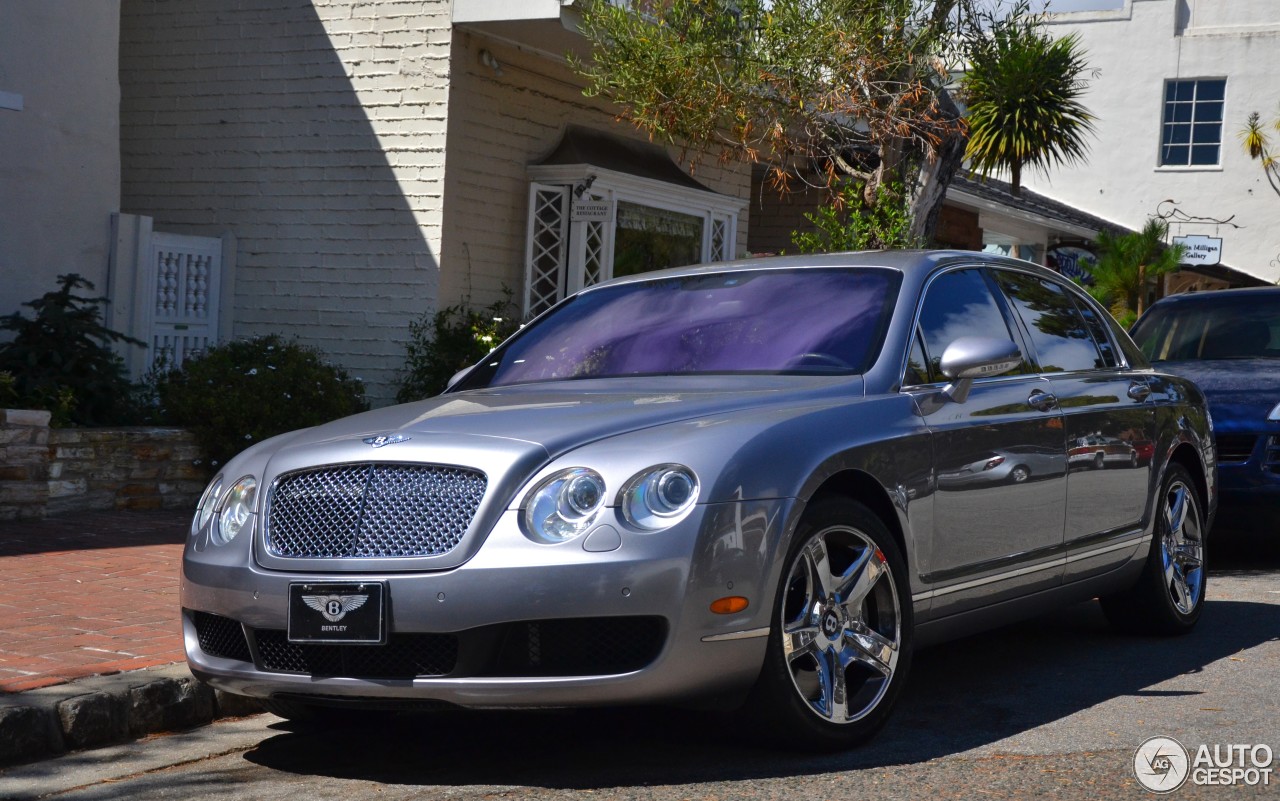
x: 1108, y: 417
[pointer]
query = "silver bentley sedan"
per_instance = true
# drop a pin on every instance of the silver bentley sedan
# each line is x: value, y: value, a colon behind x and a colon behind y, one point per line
x: 731, y: 485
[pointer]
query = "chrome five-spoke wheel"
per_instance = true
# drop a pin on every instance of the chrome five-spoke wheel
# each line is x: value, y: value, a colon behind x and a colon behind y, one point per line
x: 1182, y: 548
x: 841, y: 637
x: 841, y: 624
x: 1169, y: 594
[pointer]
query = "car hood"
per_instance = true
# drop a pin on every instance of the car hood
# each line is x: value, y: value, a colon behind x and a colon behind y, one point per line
x: 1237, y: 389
x: 552, y: 418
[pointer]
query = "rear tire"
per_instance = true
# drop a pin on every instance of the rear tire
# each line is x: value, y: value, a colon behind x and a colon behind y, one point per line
x: 1169, y: 595
x: 840, y: 642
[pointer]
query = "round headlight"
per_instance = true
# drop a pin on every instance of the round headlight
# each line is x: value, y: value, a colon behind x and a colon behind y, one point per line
x: 660, y: 496
x: 235, y: 512
x: 204, y: 509
x: 564, y: 505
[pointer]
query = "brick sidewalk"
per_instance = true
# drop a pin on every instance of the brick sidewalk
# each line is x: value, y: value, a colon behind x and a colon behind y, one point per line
x: 88, y: 594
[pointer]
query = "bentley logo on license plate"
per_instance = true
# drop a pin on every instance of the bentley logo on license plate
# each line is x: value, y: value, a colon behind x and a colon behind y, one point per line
x: 337, y: 613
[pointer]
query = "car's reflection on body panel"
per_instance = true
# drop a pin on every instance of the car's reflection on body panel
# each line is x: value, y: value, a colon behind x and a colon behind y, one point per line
x: 763, y: 483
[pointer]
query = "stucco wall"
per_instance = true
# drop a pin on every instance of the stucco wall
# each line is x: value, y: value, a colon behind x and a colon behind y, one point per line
x: 1136, y: 50
x: 60, y: 154
x: 499, y: 124
x: 312, y: 131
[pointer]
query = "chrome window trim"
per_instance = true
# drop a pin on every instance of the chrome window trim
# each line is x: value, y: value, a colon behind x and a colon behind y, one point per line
x: 1122, y: 359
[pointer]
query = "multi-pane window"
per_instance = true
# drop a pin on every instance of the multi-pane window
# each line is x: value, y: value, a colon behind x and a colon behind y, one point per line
x: 1191, y: 134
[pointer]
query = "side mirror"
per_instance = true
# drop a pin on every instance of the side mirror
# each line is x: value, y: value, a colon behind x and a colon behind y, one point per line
x: 968, y: 358
x: 456, y: 377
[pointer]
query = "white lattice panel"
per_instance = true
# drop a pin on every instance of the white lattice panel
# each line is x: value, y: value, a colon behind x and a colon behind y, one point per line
x: 185, y: 275
x: 547, y: 247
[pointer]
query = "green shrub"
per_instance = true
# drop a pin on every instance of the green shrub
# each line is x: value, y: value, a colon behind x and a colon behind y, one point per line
x: 848, y: 222
x: 243, y: 392
x: 61, y: 360
x: 451, y: 339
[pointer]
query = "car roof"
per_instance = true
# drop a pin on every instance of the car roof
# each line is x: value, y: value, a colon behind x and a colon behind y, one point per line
x: 1241, y: 294
x: 915, y: 263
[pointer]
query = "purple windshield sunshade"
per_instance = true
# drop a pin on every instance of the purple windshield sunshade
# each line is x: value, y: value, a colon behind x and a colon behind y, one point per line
x: 799, y: 320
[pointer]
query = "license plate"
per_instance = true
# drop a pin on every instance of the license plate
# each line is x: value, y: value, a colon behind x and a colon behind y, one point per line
x: 349, y: 612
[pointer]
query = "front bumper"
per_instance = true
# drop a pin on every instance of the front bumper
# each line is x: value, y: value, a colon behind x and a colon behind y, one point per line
x: 1249, y: 481
x: 532, y: 625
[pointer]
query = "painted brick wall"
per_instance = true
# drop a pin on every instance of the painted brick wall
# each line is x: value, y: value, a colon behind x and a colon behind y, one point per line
x: 313, y: 131
x: 499, y: 124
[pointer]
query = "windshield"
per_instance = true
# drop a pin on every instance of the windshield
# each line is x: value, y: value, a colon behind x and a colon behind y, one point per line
x: 1231, y: 327
x: 770, y: 321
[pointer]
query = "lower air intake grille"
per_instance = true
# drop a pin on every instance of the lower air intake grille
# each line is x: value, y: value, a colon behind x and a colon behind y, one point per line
x: 579, y: 646
x: 372, y: 510
x: 405, y: 656
x: 221, y: 636
x: 1235, y: 447
x: 1271, y: 461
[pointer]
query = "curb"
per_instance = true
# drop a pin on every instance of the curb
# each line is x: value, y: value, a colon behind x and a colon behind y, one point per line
x: 102, y: 710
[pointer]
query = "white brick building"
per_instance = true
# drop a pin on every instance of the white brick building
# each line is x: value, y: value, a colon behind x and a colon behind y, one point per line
x: 376, y: 158
x: 1177, y: 79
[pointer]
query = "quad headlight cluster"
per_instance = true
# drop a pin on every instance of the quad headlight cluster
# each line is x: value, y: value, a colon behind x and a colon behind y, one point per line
x: 226, y: 513
x: 568, y: 503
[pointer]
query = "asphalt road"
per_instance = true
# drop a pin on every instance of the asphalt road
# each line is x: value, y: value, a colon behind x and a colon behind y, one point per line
x: 1054, y: 707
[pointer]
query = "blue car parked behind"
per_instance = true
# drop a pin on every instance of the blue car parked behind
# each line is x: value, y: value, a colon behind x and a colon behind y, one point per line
x: 1228, y: 342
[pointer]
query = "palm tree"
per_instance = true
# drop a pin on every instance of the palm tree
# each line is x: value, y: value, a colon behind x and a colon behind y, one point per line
x: 1023, y: 91
x: 1258, y: 146
x: 1126, y: 262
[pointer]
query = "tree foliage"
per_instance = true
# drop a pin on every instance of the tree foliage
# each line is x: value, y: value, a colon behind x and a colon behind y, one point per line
x: 850, y: 223
x: 61, y: 359
x: 1023, y: 90
x: 451, y: 339
x: 816, y: 90
x: 239, y: 393
x: 1256, y: 142
x: 1126, y: 262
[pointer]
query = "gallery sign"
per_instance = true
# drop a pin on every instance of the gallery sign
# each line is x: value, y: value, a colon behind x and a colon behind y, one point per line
x: 1202, y: 251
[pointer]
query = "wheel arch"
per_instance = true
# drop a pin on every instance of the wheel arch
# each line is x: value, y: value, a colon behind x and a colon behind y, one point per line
x: 861, y: 486
x: 1185, y: 454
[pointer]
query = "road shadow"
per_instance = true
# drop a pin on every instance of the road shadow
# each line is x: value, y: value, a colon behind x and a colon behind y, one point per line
x: 94, y: 530
x: 962, y: 695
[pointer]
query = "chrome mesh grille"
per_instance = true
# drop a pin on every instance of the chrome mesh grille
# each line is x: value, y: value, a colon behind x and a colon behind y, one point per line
x: 372, y: 510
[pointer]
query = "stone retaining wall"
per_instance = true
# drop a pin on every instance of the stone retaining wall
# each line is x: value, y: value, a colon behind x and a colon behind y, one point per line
x: 56, y: 471
x: 24, y: 463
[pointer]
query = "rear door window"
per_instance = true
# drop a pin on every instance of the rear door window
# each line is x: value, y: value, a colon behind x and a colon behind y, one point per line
x: 1058, y: 330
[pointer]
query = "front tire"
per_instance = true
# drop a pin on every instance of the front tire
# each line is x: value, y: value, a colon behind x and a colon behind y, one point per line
x: 1169, y: 595
x: 840, y: 643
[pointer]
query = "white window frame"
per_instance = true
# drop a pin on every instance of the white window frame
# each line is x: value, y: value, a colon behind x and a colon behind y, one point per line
x: 611, y: 187
x: 1191, y: 125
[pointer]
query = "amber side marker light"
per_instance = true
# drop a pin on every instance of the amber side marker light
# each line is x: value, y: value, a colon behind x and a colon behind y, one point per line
x: 730, y: 605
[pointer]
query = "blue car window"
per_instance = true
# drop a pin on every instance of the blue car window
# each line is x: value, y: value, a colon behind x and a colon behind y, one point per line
x: 814, y: 321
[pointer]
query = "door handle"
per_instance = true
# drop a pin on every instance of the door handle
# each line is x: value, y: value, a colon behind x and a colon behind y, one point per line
x: 1139, y: 391
x: 1041, y: 401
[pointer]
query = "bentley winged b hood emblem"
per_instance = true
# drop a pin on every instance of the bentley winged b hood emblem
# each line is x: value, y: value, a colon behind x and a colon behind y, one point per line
x: 385, y: 439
